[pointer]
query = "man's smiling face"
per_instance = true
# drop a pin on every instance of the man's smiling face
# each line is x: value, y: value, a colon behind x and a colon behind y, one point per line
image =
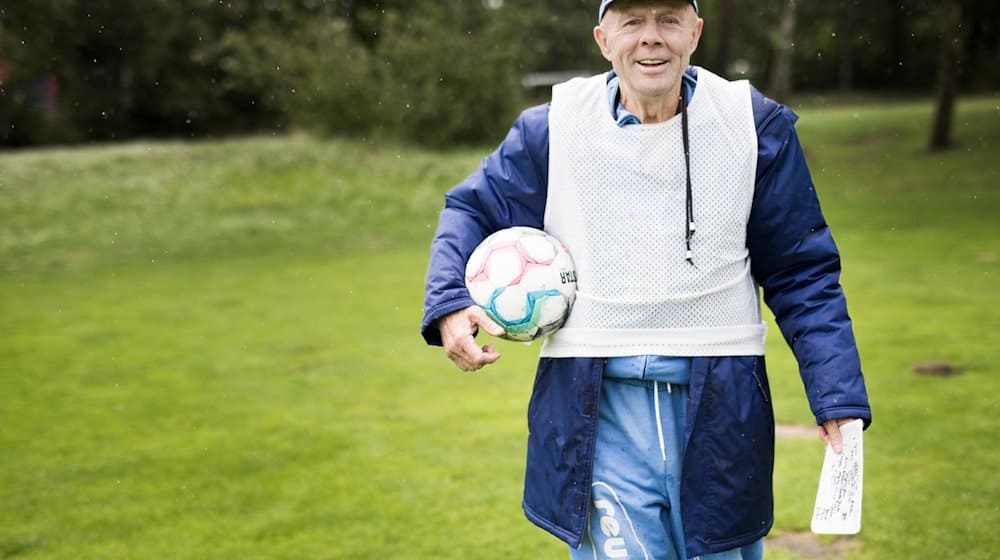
x: 649, y: 44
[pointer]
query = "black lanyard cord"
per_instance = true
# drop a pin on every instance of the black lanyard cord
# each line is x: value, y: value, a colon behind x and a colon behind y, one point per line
x: 689, y: 199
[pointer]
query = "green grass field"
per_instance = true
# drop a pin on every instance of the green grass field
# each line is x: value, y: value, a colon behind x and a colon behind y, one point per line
x: 211, y: 350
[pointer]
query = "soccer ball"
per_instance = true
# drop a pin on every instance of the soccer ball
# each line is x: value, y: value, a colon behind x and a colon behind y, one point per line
x: 525, y: 280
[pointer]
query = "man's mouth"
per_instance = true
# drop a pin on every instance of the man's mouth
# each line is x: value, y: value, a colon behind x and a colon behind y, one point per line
x: 652, y: 62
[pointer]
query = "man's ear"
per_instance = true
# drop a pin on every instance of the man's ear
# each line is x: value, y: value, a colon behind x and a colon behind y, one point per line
x: 697, y: 34
x: 601, y: 38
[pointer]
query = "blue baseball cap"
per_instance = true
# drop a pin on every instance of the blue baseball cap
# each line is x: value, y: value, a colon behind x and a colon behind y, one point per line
x: 606, y: 3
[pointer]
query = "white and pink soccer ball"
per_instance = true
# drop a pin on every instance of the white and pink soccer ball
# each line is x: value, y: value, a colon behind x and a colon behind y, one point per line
x: 525, y: 281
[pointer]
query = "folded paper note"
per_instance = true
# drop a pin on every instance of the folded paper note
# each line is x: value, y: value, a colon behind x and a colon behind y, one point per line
x: 838, y: 498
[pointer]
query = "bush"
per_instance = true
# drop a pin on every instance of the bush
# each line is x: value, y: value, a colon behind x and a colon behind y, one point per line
x: 448, y: 75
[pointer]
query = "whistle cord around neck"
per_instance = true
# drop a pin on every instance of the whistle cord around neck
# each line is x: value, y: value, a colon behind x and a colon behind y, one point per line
x: 689, y: 202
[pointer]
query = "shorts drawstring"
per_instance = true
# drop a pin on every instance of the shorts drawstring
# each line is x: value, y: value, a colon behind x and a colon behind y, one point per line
x: 659, y: 422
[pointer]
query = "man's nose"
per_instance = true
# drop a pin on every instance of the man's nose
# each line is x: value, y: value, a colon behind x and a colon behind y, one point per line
x: 651, y: 34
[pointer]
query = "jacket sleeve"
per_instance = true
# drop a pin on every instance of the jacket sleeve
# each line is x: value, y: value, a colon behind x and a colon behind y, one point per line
x: 796, y: 262
x: 509, y: 189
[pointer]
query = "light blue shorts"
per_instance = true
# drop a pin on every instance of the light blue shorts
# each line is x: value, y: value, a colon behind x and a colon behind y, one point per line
x: 635, y: 507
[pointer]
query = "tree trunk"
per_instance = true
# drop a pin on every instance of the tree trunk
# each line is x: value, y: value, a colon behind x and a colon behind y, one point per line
x: 947, y: 77
x: 784, y: 44
x: 897, y: 43
x: 846, y: 36
x: 723, y: 56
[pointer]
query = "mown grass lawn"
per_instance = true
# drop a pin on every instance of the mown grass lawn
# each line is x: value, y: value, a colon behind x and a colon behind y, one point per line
x: 210, y: 350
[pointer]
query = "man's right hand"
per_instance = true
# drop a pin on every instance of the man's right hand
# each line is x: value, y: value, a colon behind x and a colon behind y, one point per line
x: 458, y: 334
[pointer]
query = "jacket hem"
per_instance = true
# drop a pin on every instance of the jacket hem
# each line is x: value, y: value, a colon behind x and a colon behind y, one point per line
x: 712, y: 546
x: 565, y: 535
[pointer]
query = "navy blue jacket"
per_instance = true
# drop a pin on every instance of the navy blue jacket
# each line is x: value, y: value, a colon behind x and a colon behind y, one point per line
x: 726, y: 487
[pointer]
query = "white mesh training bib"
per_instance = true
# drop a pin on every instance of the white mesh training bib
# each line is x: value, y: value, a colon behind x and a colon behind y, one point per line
x: 616, y: 199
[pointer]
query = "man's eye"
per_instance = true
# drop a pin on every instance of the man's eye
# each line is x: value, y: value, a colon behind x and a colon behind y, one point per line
x: 632, y: 22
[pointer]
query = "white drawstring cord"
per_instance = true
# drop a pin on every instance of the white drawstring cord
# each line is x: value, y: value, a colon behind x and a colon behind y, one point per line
x: 659, y: 423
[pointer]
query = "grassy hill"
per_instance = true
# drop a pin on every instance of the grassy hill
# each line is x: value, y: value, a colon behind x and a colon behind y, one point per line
x: 210, y: 350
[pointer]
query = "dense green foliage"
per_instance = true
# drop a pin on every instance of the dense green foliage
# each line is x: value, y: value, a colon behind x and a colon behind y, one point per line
x: 438, y: 73
x: 210, y: 350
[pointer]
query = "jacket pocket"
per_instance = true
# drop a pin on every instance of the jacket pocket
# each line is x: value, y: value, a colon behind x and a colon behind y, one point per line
x: 760, y: 376
x: 740, y: 421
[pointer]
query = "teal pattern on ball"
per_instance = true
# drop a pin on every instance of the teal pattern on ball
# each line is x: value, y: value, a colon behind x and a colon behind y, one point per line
x: 527, y: 327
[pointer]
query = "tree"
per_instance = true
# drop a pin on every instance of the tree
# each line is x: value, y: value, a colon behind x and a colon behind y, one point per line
x: 446, y: 77
x: 947, y: 77
x: 780, y: 84
x: 846, y: 69
x: 434, y: 71
x: 723, y: 54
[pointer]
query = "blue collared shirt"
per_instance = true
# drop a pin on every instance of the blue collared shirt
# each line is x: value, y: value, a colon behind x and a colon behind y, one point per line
x: 625, y: 117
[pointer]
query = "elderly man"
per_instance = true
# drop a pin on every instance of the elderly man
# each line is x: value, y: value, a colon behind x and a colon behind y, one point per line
x: 679, y: 193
